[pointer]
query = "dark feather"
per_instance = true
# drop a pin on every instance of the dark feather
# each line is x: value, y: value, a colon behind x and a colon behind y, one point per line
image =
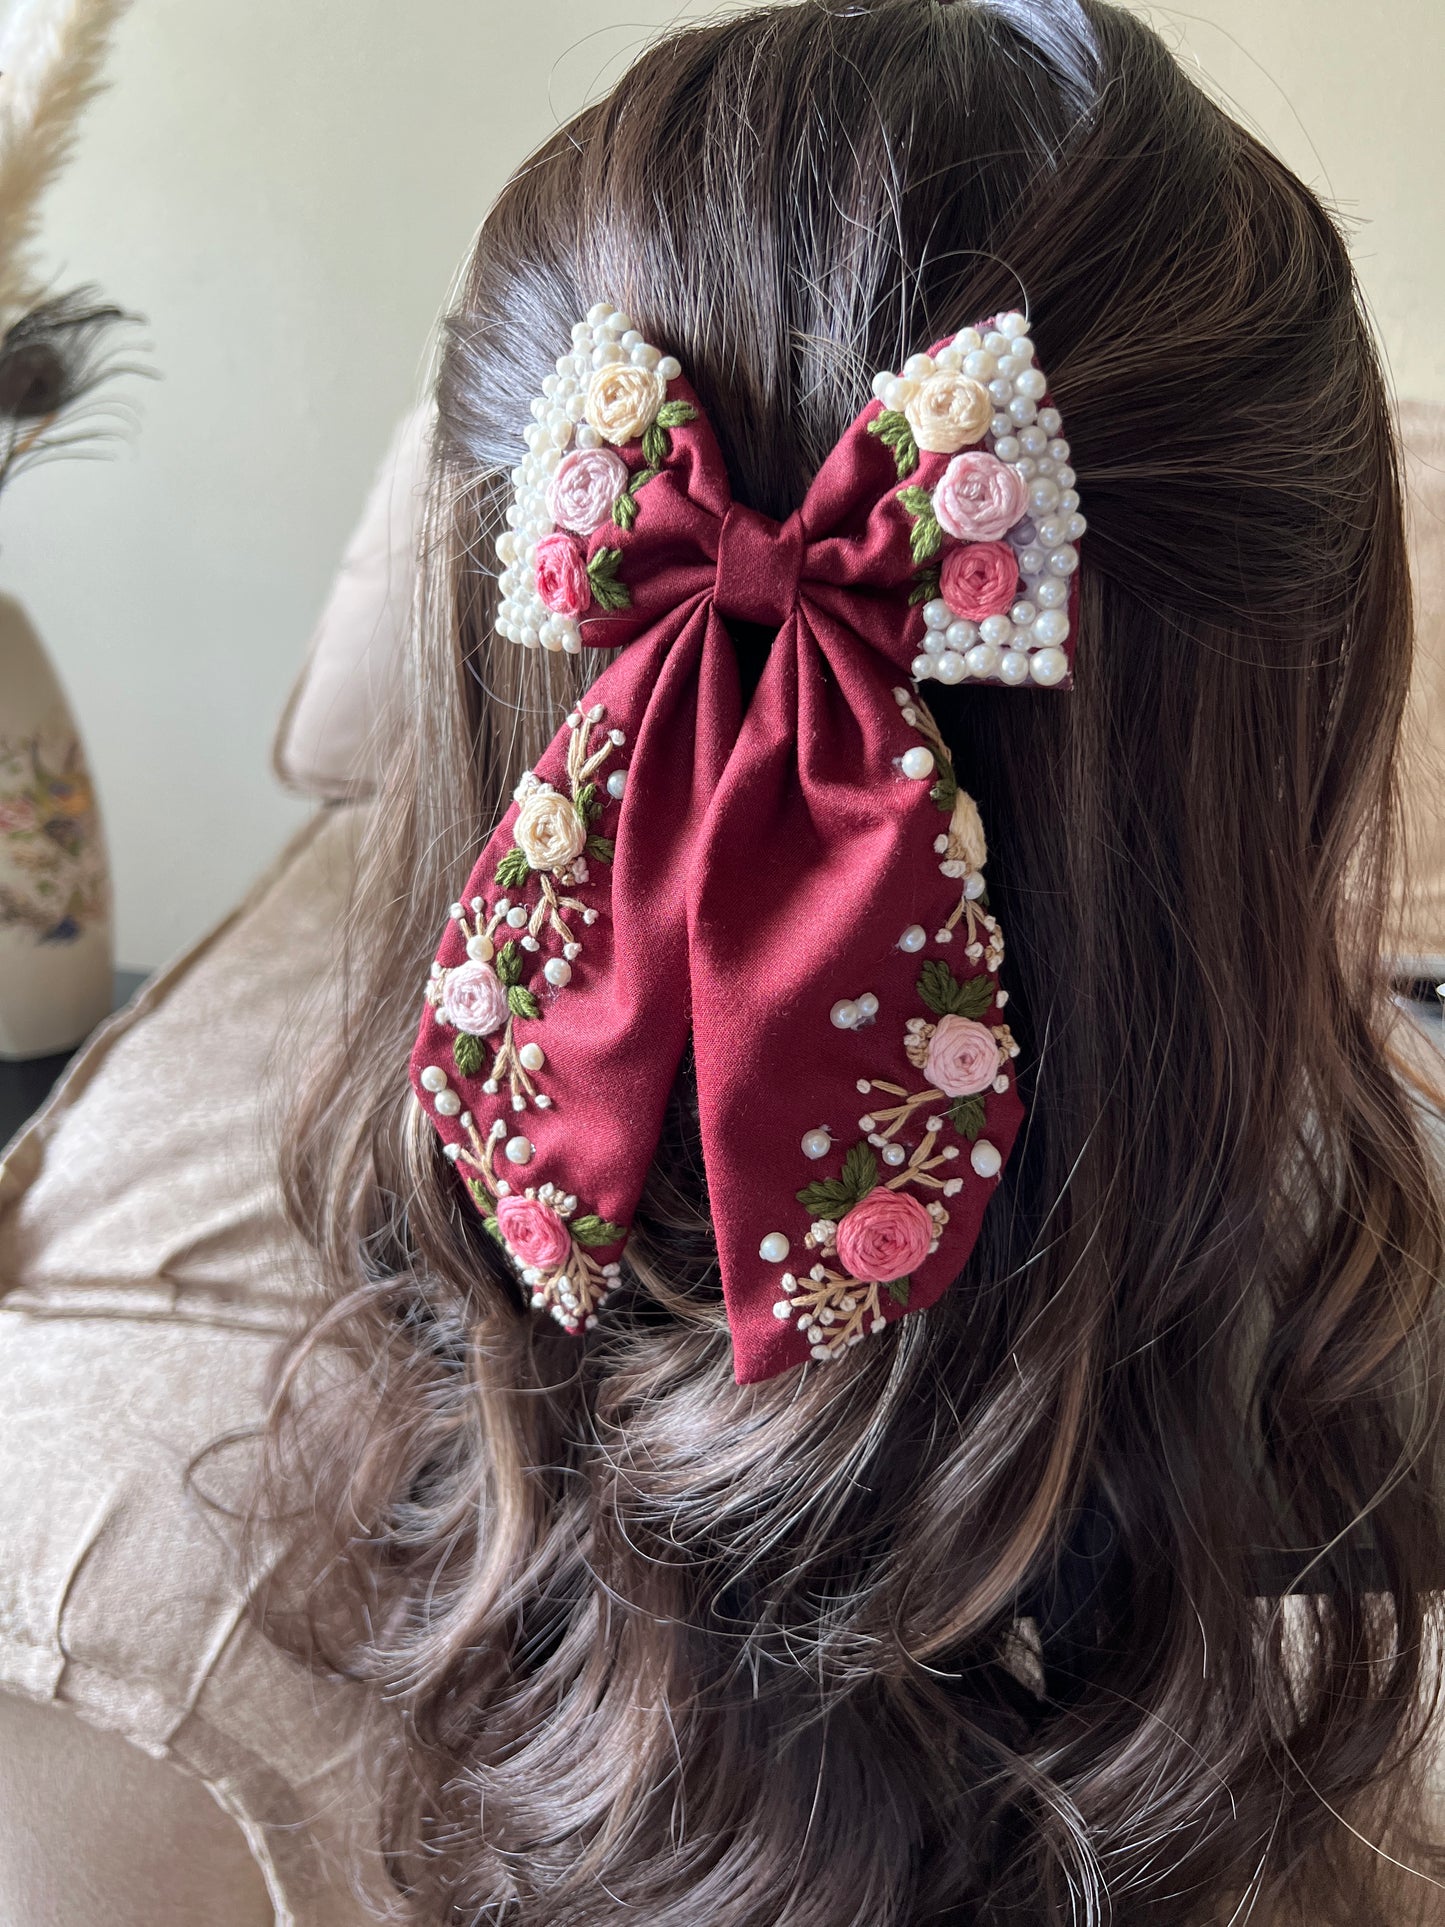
x: 53, y: 359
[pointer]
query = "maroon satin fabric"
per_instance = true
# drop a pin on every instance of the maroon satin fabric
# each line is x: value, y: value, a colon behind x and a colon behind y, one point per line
x: 768, y: 859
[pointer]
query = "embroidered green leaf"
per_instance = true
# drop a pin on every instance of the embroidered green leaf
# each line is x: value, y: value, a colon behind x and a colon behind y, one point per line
x: 593, y: 1231
x: 673, y: 414
x: 491, y: 1225
x: 945, y: 791
x: 925, y: 538
x: 587, y: 802
x: 656, y: 445
x: 513, y: 869
x: 860, y: 1170
x: 601, y: 847
x: 937, y: 986
x: 624, y: 510
x: 834, y: 1198
x: 508, y: 963
x: 974, y: 997
x: 900, y: 1290
x: 917, y: 501
x: 521, y: 1002
x: 468, y: 1053
x: 947, y: 997
x: 827, y: 1198
x: 607, y: 592
x: 966, y: 1116
x: 925, y: 589
x: 892, y: 429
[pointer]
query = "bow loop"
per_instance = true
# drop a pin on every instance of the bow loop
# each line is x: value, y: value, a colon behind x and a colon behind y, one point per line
x: 797, y: 884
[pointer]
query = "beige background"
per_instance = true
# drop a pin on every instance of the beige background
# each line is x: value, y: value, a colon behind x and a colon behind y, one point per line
x: 285, y: 188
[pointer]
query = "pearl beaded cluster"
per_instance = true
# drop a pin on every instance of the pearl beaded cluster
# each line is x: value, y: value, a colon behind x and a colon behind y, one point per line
x: 1026, y: 644
x: 607, y: 337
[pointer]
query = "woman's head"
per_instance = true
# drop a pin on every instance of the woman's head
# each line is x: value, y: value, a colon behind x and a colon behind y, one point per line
x: 961, y: 1628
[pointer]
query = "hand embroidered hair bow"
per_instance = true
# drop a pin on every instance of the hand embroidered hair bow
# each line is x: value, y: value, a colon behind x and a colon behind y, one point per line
x: 796, y: 883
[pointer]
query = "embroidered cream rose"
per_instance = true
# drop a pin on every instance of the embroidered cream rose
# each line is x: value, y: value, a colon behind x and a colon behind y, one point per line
x: 966, y: 841
x: 623, y: 400
x: 949, y: 412
x: 548, y: 831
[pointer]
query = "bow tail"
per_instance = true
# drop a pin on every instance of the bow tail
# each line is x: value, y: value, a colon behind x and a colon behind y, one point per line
x: 558, y: 1007
x: 850, y: 1149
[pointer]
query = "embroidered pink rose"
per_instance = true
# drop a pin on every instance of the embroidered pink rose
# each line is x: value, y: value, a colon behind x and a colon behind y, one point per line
x: 536, y: 1237
x: 962, y: 1057
x: 885, y: 1236
x: 562, y: 576
x: 474, y: 1000
x: 979, y: 498
x: 584, y: 487
x: 978, y: 579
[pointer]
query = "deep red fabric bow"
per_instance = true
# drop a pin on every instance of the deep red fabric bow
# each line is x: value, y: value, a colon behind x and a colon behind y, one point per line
x: 795, y: 883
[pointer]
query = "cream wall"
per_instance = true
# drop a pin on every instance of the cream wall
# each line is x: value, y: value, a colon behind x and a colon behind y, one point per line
x: 285, y: 187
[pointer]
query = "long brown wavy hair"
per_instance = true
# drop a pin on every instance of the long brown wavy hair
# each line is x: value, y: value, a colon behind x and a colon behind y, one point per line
x: 1099, y: 1592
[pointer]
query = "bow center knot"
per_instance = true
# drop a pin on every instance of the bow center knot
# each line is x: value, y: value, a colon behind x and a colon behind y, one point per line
x: 759, y: 563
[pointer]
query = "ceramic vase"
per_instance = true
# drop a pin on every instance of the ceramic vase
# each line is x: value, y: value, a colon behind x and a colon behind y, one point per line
x: 56, y: 947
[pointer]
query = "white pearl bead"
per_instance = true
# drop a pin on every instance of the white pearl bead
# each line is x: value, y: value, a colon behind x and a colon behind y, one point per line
x: 1069, y: 500
x: 1034, y: 441
x: 997, y: 343
x: 894, y: 1154
x: 999, y: 428
x: 844, y: 1014
x: 899, y: 393
x: 433, y: 1078
x: 517, y: 916
x: 918, y: 367
x: 773, y: 1249
x: 1051, y: 593
x: 967, y: 339
x: 917, y: 763
x: 557, y: 971
x: 1013, y: 324
x: 518, y: 1150
x: 1031, y: 383
x: 937, y: 614
x: 985, y: 1159
x: 1050, y: 628
x: 949, y: 667
x: 1064, y: 561
x: 997, y: 630
x: 1008, y: 448
x: 999, y: 391
x: 980, y: 365
x: 479, y: 947
x: 1022, y: 614
x: 913, y: 938
x: 531, y: 1057
x: 921, y: 668
x: 867, y: 1006
x: 617, y: 784
x: 1050, y: 420
x: 596, y: 315
x: 669, y: 367
x: 961, y: 634
x: 881, y: 381
x: 817, y: 1144
x: 1058, y: 448
x: 948, y: 361
x: 582, y: 330
x: 1022, y: 409
x: 1053, y: 529
x: 1077, y: 526
x: 1013, y: 667
x: 982, y: 660
x: 447, y: 1103
x: 1032, y: 561
x: 645, y: 357
x: 1049, y: 666
x: 1043, y: 496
